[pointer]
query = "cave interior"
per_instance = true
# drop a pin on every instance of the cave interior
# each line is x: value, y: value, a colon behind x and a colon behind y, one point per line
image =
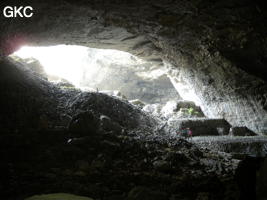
x: 129, y: 100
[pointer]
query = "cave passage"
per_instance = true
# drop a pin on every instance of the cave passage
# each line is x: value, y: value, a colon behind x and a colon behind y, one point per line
x: 109, y: 71
x: 162, y: 100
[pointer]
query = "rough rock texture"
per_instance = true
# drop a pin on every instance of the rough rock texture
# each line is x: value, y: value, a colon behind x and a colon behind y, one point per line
x: 24, y: 101
x: 218, y: 48
x: 30, y: 102
x: 93, y: 156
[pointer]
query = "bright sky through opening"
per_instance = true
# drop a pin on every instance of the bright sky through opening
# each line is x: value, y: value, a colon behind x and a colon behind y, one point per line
x: 77, y: 64
x: 71, y: 62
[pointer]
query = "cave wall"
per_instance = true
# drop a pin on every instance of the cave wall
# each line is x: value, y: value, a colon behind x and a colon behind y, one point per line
x: 217, y: 48
x: 225, y: 91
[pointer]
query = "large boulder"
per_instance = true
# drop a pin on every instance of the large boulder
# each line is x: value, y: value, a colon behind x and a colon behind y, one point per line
x: 120, y: 111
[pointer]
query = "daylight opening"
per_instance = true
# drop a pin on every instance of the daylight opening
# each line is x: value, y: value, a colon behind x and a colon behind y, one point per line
x: 159, y: 90
x: 105, y: 70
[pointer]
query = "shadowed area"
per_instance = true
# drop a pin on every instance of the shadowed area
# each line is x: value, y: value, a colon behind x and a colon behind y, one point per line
x: 162, y: 100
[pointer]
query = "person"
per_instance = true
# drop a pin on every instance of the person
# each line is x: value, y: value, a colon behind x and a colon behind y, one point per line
x: 186, y: 133
x: 189, y: 133
x: 182, y: 133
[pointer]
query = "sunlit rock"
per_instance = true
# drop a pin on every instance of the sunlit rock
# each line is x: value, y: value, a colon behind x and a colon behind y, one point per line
x: 137, y: 102
x: 181, y: 109
x: 153, y: 109
x: 33, y: 64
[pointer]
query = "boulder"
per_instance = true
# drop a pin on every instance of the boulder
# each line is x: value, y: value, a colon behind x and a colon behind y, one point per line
x: 118, y: 110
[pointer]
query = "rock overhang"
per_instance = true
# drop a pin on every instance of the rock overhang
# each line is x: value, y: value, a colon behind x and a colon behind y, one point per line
x: 184, y: 33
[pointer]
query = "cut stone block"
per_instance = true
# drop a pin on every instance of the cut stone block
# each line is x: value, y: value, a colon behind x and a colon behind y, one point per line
x: 241, y: 131
x: 202, y: 126
x: 237, y: 146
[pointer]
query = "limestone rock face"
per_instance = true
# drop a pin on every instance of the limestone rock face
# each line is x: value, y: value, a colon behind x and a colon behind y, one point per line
x: 228, y: 93
x: 218, y: 49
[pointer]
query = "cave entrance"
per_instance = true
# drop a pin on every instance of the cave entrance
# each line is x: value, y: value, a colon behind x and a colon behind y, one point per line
x: 109, y: 71
x: 155, y: 89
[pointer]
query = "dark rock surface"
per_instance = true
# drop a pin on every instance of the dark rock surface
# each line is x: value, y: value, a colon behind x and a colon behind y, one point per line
x: 27, y: 101
x: 216, y: 50
x: 86, y: 158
